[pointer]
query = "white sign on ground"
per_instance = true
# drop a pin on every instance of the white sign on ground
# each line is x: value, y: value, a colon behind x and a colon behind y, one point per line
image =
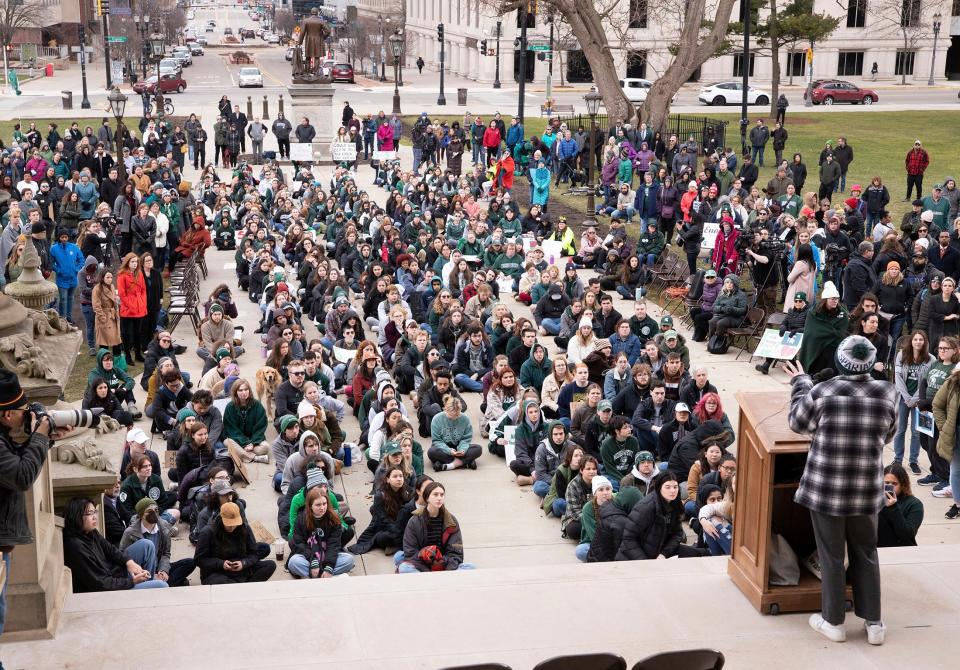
x: 305, y: 151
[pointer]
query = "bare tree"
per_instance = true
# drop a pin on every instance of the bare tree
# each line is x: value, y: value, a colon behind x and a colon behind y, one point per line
x: 17, y: 14
x: 903, y: 18
x: 285, y: 22
x: 602, y: 25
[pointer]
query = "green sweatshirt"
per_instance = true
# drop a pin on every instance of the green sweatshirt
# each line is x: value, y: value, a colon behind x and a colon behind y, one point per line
x: 245, y: 425
x: 449, y: 435
x: 618, y: 456
x: 299, y: 501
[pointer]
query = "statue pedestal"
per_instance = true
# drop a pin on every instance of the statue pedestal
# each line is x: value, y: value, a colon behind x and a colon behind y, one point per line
x: 314, y: 101
x: 38, y: 581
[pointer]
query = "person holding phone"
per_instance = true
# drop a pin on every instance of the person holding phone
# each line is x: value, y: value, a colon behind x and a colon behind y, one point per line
x: 902, y: 512
x: 227, y: 551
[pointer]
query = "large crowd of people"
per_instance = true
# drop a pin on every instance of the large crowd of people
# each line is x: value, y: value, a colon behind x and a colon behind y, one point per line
x: 436, y: 291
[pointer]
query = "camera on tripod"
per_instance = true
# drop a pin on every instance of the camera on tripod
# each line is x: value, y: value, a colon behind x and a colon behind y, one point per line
x: 65, y: 418
x: 773, y: 248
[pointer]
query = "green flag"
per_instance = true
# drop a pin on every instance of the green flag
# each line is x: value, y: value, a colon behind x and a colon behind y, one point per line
x: 14, y: 81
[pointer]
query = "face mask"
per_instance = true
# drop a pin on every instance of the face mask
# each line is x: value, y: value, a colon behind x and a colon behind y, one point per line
x: 151, y: 516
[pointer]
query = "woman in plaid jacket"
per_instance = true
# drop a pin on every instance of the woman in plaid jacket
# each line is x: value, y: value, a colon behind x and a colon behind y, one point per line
x: 850, y: 418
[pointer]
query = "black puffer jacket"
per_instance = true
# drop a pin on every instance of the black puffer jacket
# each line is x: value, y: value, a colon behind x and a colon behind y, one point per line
x: 609, y: 533
x: 687, y: 450
x: 652, y: 528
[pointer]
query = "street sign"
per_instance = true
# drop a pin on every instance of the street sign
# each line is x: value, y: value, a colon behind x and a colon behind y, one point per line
x: 116, y: 39
x: 538, y: 47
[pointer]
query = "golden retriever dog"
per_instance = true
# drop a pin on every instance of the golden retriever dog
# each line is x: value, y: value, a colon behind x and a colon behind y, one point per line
x: 268, y: 379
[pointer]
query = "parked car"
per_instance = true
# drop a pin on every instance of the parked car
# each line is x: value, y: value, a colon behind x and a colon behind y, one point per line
x: 342, y: 72
x: 169, y: 83
x: 195, y: 48
x: 272, y: 38
x: 250, y: 76
x: 731, y: 93
x: 171, y: 63
x: 829, y: 91
x: 202, y: 41
x: 636, y: 89
x: 183, y: 55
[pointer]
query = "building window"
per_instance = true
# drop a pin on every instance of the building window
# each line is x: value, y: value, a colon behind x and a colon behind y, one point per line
x: 856, y: 13
x: 578, y: 69
x: 636, y: 64
x: 738, y: 64
x: 638, y: 13
x: 910, y: 16
x: 903, y: 65
x: 850, y: 64
x: 797, y: 66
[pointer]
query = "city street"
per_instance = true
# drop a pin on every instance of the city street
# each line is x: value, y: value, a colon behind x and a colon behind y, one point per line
x: 212, y: 75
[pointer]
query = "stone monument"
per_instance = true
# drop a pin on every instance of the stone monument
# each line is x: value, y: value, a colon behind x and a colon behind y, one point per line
x: 35, y: 342
x: 311, y: 93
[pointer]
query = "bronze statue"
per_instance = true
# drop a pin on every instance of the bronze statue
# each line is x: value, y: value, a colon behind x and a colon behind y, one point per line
x: 310, y: 49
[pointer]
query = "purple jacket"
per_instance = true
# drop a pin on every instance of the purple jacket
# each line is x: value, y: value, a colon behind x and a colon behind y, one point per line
x: 710, y: 294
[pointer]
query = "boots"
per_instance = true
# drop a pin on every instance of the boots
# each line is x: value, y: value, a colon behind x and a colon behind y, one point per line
x: 764, y: 367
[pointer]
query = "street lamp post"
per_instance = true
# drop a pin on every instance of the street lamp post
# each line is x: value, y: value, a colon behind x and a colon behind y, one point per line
x: 82, y: 38
x: 496, y: 75
x: 118, y: 103
x: 383, y: 48
x: 396, y: 48
x: 441, y: 100
x: 142, y: 24
x: 156, y: 50
x: 593, y: 100
x: 936, y: 33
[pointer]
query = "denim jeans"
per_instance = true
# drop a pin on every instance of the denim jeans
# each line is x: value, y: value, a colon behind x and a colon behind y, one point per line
x: 299, y: 566
x: 757, y: 152
x: 552, y: 326
x: 541, y: 488
x: 407, y: 568
x: 478, y: 153
x: 720, y: 545
x: 871, y: 220
x: 904, y: 419
x: 558, y: 507
x: 277, y: 480
x: 65, y: 303
x: 581, y: 551
x: 3, y: 592
x: 954, y: 480
x: 144, y: 553
x: 468, y: 384
x: 649, y: 260
x: 89, y: 319
x: 621, y: 214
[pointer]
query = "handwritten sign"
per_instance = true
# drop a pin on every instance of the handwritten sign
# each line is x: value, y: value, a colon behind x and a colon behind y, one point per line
x: 342, y: 152
x: 775, y: 345
x: 384, y: 155
x: 305, y: 152
x: 710, y: 231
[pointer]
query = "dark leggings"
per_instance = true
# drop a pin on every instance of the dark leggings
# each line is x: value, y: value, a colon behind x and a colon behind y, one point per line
x: 283, y: 146
x: 521, y: 468
x: 130, y: 334
x: 939, y: 466
x: 692, y: 261
x: 438, y: 456
x: 260, y: 572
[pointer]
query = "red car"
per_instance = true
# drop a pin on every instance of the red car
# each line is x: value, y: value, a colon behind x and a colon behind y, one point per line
x: 169, y: 83
x: 342, y: 72
x: 829, y: 91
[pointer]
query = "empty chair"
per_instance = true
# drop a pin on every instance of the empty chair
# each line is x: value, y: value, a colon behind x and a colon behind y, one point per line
x: 690, y: 659
x: 584, y: 662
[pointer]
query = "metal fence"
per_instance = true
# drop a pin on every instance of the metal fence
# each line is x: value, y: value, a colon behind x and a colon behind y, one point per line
x: 677, y: 124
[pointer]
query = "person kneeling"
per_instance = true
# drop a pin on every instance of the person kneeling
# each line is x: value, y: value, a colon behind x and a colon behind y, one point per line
x: 316, y: 540
x: 227, y: 551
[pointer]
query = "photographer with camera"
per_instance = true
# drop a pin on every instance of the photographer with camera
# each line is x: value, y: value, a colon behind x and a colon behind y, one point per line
x: 763, y: 258
x: 838, y: 248
x: 25, y: 437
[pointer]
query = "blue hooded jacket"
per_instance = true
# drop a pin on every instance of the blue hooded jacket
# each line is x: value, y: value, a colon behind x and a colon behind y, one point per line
x: 67, y: 262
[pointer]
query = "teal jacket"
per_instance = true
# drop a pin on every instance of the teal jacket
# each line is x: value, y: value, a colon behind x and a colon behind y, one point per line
x: 532, y: 373
x: 449, y: 435
x: 114, y: 377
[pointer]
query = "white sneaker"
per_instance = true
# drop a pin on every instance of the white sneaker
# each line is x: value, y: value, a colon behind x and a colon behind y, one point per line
x: 261, y: 459
x: 876, y: 632
x: 945, y: 492
x: 828, y: 630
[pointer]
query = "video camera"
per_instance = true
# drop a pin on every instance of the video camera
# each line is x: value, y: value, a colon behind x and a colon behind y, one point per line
x: 773, y: 248
x: 63, y: 418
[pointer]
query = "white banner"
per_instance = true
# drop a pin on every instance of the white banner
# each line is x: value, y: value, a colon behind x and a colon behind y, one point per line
x: 343, y: 152
x: 384, y: 155
x: 305, y: 151
x: 710, y: 231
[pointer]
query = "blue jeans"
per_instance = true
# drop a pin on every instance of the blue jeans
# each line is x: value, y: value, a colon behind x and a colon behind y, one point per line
x: 565, y: 420
x: 541, y: 488
x: 552, y: 326
x: 417, y: 158
x: 468, y: 384
x: 89, y: 320
x: 954, y: 486
x: 720, y: 546
x: 3, y: 593
x: 299, y: 566
x: 277, y: 480
x: 871, y: 220
x: 478, y: 153
x: 649, y: 260
x: 144, y: 554
x: 407, y: 568
x: 757, y: 152
x: 65, y: 303
x: 623, y: 214
x: 690, y: 507
x: 626, y: 293
x: 581, y: 551
x: 558, y: 507
x: 904, y: 418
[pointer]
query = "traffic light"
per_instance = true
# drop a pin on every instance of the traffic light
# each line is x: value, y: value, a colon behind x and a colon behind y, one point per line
x: 440, y: 32
x: 483, y: 47
x: 103, y: 7
x: 516, y: 42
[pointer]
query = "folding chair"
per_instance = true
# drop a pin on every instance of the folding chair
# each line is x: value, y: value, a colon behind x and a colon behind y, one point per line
x: 748, y: 329
x: 690, y: 659
x: 583, y: 662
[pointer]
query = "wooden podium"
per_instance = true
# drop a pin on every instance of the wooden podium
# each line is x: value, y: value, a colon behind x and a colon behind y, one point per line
x: 770, y: 461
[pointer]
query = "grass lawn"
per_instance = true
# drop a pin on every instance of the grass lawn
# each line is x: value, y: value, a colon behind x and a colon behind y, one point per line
x: 880, y: 141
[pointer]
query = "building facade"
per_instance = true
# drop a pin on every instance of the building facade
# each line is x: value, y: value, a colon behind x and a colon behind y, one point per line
x: 870, y: 31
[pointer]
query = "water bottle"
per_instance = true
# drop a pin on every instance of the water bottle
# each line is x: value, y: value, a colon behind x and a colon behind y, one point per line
x: 347, y: 454
x: 552, y: 259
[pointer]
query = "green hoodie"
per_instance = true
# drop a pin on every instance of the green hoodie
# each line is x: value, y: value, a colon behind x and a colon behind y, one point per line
x: 512, y: 266
x: 528, y: 436
x: 245, y: 425
x: 299, y: 500
x: 532, y: 373
x: 115, y: 377
x: 618, y: 456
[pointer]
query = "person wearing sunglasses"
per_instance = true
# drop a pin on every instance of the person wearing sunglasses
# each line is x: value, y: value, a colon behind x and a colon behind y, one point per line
x: 793, y: 323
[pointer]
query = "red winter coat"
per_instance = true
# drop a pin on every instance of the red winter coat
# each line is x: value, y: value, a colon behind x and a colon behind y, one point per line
x: 385, y: 136
x: 491, y: 138
x: 132, y: 290
x: 725, y: 257
x: 503, y: 176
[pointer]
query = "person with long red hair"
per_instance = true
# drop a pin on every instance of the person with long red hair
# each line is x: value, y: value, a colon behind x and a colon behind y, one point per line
x: 711, y: 409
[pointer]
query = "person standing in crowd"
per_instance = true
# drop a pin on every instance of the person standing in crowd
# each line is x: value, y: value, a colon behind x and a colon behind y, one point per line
x: 916, y: 163
x: 850, y: 418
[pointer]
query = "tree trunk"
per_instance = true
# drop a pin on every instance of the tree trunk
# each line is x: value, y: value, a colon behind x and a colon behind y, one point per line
x: 774, y: 59
x: 790, y: 65
x: 903, y: 70
x: 587, y: 26
x: 693, y: 50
